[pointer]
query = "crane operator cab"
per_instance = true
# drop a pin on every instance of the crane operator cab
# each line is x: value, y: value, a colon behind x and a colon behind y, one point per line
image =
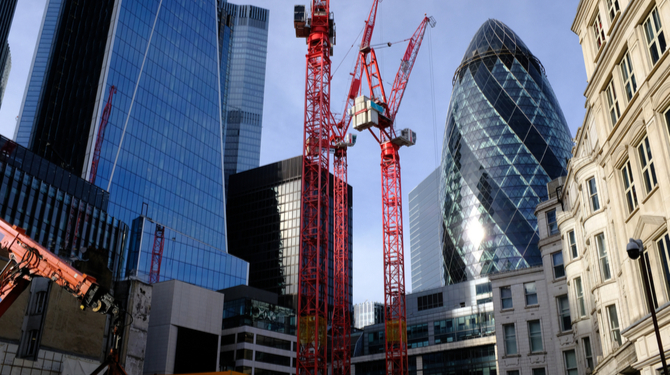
x: 365, y: 113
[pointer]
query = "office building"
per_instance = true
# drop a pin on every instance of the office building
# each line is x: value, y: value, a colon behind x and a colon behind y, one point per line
x: 368, y: 313
x: 7, y: 10
x: 258, y: 335
x: 68, y: 216
x: 161, y: 155
x: 618, y: 186
x: 450, y: 329
x: 243, y: 38
x: 504, y: 140
x: 425, y: 234
x: 5, y: 69
x: 264, y: 224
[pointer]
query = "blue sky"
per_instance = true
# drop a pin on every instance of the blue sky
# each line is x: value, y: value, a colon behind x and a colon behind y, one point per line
x: 544, y: 26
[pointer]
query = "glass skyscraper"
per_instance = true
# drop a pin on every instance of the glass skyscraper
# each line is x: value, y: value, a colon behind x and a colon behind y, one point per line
x: 505, y: 139
x: 243, y: 40
x: 163, y: 151
x: 7, y: 9
x: 425, y: 234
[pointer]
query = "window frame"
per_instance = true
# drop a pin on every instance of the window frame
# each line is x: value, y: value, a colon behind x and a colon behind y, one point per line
x: 552, y: 222
x: 603, y: 257
x: 612, y: 9
x: 579, y: 296
x: 507, y: 339
x: 628, y: 76
x: 663, y: 246
x: 614, y: 327
x: 555, y: 266
x: 570, y: 370
x: 653, y: 41
x: 572, y: 243
x: 592, y: 191
x: 503, y: 298
x: 647, y: 168
x: 629, y: 191
x: 564, y: 313
x: 535, y: 335
x: 612, y: 102
x: 588, y: 352
x: 599, y: 32
x: 527, y: 294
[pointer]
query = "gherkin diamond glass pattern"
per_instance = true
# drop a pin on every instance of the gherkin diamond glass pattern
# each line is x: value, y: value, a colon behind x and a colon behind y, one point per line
x: 505, y: 139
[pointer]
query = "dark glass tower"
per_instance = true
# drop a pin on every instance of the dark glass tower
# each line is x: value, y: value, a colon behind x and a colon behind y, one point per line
x: 162, y: 155
x: 505, y: 138
x: 264, y: 224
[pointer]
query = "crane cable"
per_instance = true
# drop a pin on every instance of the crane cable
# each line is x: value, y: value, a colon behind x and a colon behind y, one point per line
x: 347, y: 54
x: 432, y: 95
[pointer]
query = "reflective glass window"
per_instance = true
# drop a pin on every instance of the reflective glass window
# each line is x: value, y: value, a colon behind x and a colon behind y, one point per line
x: 598, y: 32
x: 604, y: 262
x: 531, y: 294
x: 510, y: 339
x: 653, y: 32
x: 579, y: 293
x: 629, y: 82
x: 612, y: 102
x: 629, y: 187
x: 647, y: 165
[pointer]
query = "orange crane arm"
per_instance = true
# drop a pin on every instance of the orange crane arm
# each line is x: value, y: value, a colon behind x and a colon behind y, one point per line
x: 28, y: 259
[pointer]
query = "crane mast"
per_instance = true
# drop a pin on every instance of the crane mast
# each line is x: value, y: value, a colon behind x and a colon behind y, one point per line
x: 319, y: 29
x: 378, y: 112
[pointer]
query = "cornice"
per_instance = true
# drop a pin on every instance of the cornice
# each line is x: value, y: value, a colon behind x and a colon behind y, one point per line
x: 579, y: 17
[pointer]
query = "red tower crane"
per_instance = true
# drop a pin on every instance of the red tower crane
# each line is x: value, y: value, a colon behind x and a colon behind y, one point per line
x: 101, y: 134
x: 318, y: 26
x: 378, y: 112
x: 157, y: 254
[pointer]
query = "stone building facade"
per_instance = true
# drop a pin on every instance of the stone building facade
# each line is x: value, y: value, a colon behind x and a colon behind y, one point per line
x: 618, y: 185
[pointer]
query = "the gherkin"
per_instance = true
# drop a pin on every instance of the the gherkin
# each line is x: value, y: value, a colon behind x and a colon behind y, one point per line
x: 505, y: 138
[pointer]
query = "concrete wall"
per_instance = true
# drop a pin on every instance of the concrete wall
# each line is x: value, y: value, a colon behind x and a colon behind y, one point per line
x: 175, y: 303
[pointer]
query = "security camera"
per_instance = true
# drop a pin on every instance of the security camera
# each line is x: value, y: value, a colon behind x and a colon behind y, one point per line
x: 633, y: 248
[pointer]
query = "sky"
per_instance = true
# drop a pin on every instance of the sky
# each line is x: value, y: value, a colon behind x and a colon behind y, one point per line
x: 543, y: 25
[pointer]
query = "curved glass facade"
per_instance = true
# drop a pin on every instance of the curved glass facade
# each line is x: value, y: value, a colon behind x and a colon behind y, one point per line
x: 505, y: 139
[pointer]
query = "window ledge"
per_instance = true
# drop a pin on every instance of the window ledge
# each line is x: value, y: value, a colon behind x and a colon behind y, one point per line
x: 507, y: 310
x: 600, y: 51
x: 512, y: 356
x: 559, y: 279
x: 537, y: 353
x: 650, y: 194
x: 535, y: 306
x: 630, y: 215
x: 613, y: 23
x: 564, y: 333
x: 655, y: 67
x: 602, y: 284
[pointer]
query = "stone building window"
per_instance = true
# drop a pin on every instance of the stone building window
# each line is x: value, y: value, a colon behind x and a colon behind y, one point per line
x: 573, y: 244
x: 604, y: 262
x: 510, y: 339
x: 612, y: 102
x: 612, y: 8
x: 664, y: 254
x: 557, y: 263
x: 593, y: 194
x: 531, y: 294
x: 653, y: 32
x: 564, y: 313
x: 570, y: 362
x: 599, y: 32
x: 506, y: 297
x: 615, y: 332
x: 539, y: 371
x: 579, y: 293
x: 629, y: 187
x: 629, y: 82
x: 647, y: 165
x: 587, y: 352
x: 551, y: 222
x: 535, y: 336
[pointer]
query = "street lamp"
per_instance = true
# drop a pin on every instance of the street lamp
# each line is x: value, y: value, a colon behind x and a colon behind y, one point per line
x: 634, y: 249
